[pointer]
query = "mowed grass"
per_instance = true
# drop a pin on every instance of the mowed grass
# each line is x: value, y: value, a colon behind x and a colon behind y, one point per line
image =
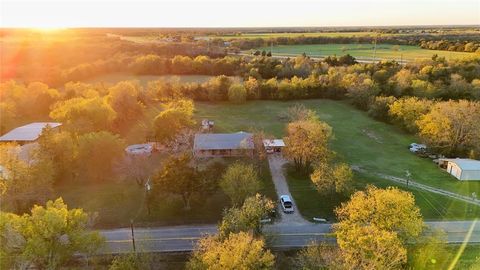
x: 364, y: 51
x: 359, y: 140
x: 114, y: 78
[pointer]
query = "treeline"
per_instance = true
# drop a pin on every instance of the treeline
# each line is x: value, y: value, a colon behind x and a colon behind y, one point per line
x: 468, y: 43
x: 45, y: 58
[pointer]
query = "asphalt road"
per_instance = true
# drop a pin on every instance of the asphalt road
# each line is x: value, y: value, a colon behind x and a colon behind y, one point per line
x: 278, y: 236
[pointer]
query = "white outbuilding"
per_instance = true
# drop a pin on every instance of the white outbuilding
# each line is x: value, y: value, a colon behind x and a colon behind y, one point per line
x: 463, y: 169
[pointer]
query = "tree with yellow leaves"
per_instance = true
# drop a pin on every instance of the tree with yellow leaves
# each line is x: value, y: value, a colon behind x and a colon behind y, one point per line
x: 452, y: 127
x: 374, y: 225
x: 238, y: 251
x: 307, y: 142
x: 47, y: 237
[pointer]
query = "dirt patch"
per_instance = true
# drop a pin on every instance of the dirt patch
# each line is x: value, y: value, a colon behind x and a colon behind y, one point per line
x: 372, y: 135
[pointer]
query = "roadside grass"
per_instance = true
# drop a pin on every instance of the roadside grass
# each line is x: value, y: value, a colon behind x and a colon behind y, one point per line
x: 365, y: 51
x: 113, y: 78
x: 117, y: 202
x: 359, y: 140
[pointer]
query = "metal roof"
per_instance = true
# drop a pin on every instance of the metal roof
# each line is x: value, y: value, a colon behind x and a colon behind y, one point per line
x: 273, y: 143
x: 465, y: 163
x: 218, y: 141
x: 29, y: 132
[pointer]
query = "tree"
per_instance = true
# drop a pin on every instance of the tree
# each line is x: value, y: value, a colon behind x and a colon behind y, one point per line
x: 180, y: 178
x: 50, y: 235
x: 380, y: 106
x: 452, y: 127
x: 131, y: 261
x: 177, y: 115
x: 318, y: 257
x: 238, y: 251
x: 330, y: 179
x: 124, y: 100
x: 388, y: 209
x: 240, y: 181
x: 430, y: 251
x: 24, y: 180
x: 61, y: 148
x: 369, y: 247
x: 237, y: 93
x: 407, y: 111
x: 82, y: 115
x: 98, y: 152
x: 307, y: 142
x: 246, y: 218
x: 299, y: 112
x: 362, y: 92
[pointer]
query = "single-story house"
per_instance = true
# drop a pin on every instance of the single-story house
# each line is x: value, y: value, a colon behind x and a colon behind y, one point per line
x: 463, y: 169
x: 27, y: 133
x: 223, y: 145
x: 273, y: 145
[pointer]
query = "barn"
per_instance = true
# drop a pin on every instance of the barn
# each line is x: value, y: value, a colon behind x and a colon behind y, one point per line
x: 223, y: 145
x: 463, y: 169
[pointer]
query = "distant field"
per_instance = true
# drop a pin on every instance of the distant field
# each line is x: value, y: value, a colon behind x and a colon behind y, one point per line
x: 363, y: 51
x: 144, y: 79
x: 310, y: 34
x: 359, y: 140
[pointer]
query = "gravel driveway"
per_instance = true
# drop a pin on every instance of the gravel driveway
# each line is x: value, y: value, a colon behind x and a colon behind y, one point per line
x: 276, y: 162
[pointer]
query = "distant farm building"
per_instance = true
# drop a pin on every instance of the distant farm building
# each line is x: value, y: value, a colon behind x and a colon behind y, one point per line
x: 28, y: 133
x: 223, y: 145
x: 462, y: 169
x: 273, y: 145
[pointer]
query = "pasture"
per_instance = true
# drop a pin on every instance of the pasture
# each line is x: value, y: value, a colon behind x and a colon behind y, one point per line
x: 359, y: 140
x: 298, y: 34
x: 363, y: 51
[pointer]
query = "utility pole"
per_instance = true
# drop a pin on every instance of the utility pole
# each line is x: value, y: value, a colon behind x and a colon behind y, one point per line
x: 133, y: 236
x: 408, y: 174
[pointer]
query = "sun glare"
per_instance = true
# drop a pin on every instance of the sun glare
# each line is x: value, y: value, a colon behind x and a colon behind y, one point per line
x: 48, y: 29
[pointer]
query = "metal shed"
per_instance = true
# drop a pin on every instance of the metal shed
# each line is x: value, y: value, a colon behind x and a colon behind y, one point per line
x: 463, y: 169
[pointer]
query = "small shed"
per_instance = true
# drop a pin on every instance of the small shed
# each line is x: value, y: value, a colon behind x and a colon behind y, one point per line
x: 463, y: 169
x: 273, y: 145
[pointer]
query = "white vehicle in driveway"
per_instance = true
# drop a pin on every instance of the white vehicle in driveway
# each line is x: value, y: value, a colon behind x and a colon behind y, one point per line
x: 287, y: 204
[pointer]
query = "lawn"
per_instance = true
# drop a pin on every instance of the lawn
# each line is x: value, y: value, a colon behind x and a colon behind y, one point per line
x: 117, y: 202
x: 113, y: 78
x: 363, y: 51
x: 359, y: 140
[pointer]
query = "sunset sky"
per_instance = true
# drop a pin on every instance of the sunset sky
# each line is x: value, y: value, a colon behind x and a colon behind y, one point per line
x: 268, y: 13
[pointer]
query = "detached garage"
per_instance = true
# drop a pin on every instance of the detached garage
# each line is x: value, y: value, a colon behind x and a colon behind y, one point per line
x: 462, y: 169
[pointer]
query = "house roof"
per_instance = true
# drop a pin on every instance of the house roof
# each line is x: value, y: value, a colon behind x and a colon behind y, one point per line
x: 465, y: 163
x: 217, y: 141
x: 273, y: 143
x: 29, y: 132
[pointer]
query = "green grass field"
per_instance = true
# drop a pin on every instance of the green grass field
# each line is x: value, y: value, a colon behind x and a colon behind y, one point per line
x: 144, y: 79
x: 364, y: 51
x: 306, y: 34
x: 359, y: 140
